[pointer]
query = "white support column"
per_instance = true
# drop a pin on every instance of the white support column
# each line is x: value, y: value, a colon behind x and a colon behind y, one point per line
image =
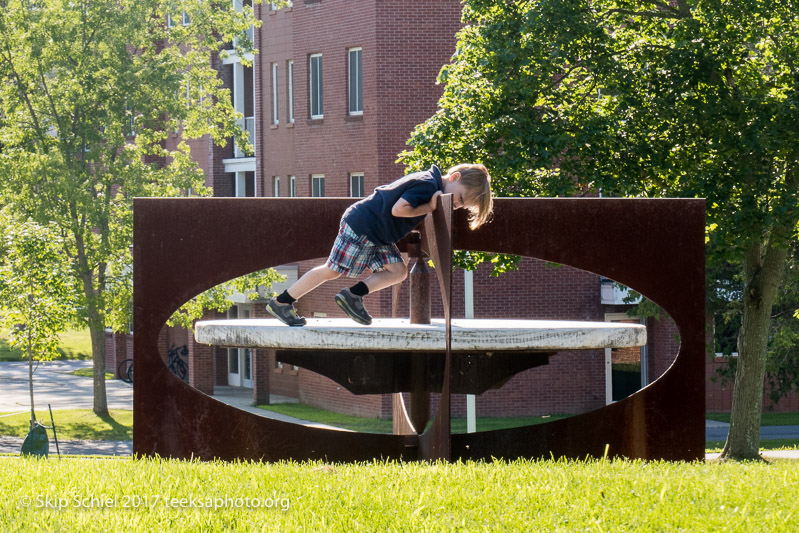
x: 238, y: 97
x: 468, y: 297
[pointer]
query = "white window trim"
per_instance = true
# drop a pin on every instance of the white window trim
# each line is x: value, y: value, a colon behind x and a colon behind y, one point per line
x: 276, y: 186
x: 350, y: 111
x: 290, y: 90
x: 292, y: 186
x: 314, y: 179
x: 319, y: 83
x: 363, y: 191
x: 275, y: 116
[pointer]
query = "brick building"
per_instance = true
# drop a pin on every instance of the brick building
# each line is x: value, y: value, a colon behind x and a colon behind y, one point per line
x: 329, y: 102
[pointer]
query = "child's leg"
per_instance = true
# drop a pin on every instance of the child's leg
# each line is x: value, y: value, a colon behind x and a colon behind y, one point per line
x: 311, y: 280
x: 391, y: 274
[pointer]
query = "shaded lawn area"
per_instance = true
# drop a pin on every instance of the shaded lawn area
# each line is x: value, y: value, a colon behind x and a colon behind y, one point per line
x: 73, y: 424
x: 75, y: 344
x: 377, y: 425
x: 767, y: 419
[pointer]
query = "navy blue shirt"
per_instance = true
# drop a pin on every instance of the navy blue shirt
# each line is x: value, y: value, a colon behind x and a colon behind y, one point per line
x: 372, y: 218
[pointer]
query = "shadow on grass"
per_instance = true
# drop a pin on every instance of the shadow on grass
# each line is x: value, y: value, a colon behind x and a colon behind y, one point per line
x: 7, y: 353
x: 74, y: 424
x: 116, y: 427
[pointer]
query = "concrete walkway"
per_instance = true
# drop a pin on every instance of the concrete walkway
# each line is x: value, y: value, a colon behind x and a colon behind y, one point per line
x: 54, y: 384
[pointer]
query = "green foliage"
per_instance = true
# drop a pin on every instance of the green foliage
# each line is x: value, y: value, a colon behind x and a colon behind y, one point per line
x: 36, y: 289
x: 558, y: 98
x: 782, y: 365
x: 97, y: 103
x: 645, y: 99
x: 219, y: 298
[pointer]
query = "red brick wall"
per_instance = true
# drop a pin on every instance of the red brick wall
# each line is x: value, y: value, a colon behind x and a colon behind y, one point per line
x: 415, y: 39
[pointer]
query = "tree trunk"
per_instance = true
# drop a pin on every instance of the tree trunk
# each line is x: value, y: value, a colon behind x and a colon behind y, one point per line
x: 763, y: 274
x: 98, y: 359
x: 30, y: 376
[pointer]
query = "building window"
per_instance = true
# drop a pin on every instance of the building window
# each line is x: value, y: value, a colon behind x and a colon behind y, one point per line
x: 356, y: 185
x: 318, y: 185
x: 317, y: 110
x: 292, y: 186
x: 290, y: 91
x: 276, y: 186
x: 275, y: 119
x: 356, y: 82
x: 183, y: 18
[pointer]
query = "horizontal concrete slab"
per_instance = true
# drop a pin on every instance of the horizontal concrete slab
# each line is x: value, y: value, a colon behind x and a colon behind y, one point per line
x: 395, y: 334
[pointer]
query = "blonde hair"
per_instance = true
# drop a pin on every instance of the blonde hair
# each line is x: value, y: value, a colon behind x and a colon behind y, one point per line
x: 476, y: 180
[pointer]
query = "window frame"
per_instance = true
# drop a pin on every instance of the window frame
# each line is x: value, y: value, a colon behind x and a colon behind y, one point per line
x: 275, y: 110
x: 290, y: 90
x: 316, y: 106
x: 355, y: 108
x: 359, y: 177
x: 317, y: 185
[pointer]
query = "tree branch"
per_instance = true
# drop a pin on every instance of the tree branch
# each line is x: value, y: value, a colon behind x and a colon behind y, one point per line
x: 7, y: 58
x: 647, y: 14
x: 662, y: 5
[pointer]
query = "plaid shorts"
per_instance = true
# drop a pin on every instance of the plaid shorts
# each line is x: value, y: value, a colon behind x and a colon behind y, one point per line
x: 352, y: 253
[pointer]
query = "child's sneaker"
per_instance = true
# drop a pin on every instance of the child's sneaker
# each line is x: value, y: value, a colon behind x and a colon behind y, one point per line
x: 285, y: 313
x: 353, y: 306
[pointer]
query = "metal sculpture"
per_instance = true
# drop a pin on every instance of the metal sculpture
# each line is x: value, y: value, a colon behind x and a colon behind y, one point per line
x: 663, y: 258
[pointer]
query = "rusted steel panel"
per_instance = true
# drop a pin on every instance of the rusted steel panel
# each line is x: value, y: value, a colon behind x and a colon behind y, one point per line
x: 185, y: 246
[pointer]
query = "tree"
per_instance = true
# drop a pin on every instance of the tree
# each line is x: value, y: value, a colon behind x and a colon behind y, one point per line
x: 654, y: 98
x: 91, y: 93
x: 36, y: 296
x: 782, y: 363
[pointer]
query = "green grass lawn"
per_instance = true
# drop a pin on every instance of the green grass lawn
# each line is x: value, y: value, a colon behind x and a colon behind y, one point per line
x: 169, y: 495
x: 75, y: 344
x: 767, y: 419
x: 376, y: 425
x: 79, y: 424
x: 89, y: 373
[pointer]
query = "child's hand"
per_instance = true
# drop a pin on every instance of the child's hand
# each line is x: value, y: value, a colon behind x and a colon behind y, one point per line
x: 434, y: 200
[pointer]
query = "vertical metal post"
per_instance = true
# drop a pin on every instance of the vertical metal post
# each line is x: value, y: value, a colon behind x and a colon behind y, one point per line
x: 419, y: 280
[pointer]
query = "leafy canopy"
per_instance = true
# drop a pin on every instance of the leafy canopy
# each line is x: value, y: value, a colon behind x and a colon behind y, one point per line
x: 632, y: 99
x: 98, y: 101
x: 36, y: 297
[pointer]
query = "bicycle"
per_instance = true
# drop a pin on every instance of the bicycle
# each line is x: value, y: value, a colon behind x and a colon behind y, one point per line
x: 175, y: 361
x: 125, y: 371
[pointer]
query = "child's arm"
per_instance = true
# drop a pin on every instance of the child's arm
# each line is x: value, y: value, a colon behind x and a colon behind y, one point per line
x: 403, y: 209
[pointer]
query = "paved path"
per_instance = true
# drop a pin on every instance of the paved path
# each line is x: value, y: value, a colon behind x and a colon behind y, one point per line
x: 53, y: 384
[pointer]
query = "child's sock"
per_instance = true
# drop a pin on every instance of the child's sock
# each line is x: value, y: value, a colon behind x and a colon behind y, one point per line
x: 285, y: 298
x: 359, y: 289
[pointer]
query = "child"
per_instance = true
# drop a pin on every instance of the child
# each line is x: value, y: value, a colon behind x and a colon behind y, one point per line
x: 371, y: 228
